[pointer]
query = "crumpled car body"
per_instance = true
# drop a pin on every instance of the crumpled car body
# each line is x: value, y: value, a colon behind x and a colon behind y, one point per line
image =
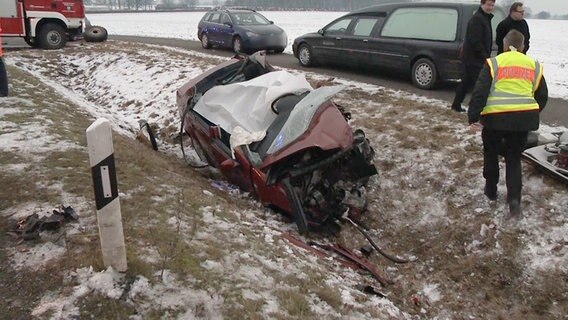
x: 274, y: 136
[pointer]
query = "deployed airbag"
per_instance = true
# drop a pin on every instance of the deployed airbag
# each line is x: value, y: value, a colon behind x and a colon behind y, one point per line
x: 247, y: 104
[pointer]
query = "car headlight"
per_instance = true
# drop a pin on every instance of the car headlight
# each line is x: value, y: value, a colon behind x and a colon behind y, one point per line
x: 252, y: 34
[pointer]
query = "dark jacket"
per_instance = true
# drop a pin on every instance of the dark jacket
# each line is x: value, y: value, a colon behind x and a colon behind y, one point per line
x: 510, y: 121
x: 478, y: 39
x: 509, y: 24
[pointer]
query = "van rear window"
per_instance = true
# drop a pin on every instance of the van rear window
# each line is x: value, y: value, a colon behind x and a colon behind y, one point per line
x: 422, y: 23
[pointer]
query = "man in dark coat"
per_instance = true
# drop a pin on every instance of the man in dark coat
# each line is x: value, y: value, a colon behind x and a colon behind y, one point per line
x: 516, y: 21
x: 476, y: 48
x: 508, y: 97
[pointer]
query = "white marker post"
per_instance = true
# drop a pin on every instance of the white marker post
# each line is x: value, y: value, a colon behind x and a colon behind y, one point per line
x: 101, y: 156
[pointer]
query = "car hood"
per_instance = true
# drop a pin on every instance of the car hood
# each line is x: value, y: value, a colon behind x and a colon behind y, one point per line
x: 264, y: 29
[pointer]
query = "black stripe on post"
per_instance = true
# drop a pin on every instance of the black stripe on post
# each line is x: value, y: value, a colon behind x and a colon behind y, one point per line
x: 104, y: 182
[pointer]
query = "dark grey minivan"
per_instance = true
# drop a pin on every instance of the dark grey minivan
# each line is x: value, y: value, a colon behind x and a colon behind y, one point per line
x: 421, y: 39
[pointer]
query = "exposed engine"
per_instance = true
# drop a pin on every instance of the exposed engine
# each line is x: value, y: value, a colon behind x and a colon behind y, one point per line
x: 336, y: 186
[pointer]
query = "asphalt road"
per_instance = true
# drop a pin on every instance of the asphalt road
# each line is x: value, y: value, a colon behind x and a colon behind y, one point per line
x: 555, y: 113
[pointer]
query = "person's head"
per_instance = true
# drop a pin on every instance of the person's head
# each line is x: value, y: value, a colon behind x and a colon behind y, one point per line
x: 517, y: 11
x: 515, y: 39
x: 487, y: 5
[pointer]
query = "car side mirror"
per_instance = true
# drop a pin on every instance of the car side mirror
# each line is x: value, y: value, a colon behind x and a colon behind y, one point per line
x: 320, y: 31
x: 271, y: 22
x: 228, y: 24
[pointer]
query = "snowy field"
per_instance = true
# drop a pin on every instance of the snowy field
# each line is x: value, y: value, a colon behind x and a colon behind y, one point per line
x: 548, y: 44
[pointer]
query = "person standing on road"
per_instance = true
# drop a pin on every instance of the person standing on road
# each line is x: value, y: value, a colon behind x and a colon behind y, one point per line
x: 476, y: 48
x: 3, y: 74
x: 507, y: 98
x: 515, y: 21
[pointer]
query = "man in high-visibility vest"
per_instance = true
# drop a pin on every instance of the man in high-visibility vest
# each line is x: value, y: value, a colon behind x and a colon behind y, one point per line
x: 3, y: 74
x: 508, y: 97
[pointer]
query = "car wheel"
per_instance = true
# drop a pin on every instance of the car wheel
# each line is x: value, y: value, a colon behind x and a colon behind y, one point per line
x: 305, y: 55
x: 52, y: 36
x: 95, y: 34
x: 205, y: 41
x: 237, y: 45
x: 424, y: 74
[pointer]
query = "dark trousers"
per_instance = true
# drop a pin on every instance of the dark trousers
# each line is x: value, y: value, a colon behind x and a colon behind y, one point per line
x: 3, y: 79
x: 510, y: 144
x: 467, y: 83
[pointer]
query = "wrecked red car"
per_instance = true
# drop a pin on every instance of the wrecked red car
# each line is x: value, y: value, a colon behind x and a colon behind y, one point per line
x: 273, y: 135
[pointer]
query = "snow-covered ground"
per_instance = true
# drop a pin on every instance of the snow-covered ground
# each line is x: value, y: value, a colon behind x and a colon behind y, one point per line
x: 426, y: 186
x: 548, y: 41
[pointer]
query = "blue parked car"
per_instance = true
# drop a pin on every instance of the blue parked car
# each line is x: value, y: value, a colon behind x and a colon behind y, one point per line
x: 243, y: 30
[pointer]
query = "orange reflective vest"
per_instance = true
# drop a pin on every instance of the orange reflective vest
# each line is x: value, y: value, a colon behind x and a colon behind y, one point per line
x: 516, y: 77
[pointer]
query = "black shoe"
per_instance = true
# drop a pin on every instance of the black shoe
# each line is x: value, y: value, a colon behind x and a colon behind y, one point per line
x: 458, y: 109
x: 490, y: 192
x: 514, y: 210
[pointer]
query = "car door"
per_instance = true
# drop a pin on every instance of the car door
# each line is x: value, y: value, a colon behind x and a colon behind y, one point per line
x: 212, y: 28
x: 357, y: 41
x: 331, y: 47
x: 386, y: 47
x: 226, y: 31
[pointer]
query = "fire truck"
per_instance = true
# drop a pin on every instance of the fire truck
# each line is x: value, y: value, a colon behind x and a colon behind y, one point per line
x: 46, y: 24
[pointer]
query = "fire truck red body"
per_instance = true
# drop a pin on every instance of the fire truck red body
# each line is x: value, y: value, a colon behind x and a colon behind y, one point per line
x: 44, y: 24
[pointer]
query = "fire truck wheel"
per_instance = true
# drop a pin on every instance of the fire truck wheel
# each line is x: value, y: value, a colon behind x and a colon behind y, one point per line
x: 52, y: 36
x: 32, y: 42
x: 95, y: 34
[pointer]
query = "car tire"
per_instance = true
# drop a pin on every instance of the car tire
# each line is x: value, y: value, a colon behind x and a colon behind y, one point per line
x: 95, y: 34
x: 52, y: 36
x: 238, y: 45
x: 205, y: 41
x: 424, y: 74
x: 305, y: 55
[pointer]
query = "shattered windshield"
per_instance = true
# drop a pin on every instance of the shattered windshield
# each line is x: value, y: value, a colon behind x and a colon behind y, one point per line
x: 301, y: 116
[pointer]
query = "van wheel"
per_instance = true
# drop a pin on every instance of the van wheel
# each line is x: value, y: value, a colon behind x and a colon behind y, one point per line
x: 424, y: 74
x: 305, y: 56
x: 52, y: 36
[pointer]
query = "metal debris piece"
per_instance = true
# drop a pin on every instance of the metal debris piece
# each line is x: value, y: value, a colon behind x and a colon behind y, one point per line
x: 366, y: 250
x: 28, y: 228
x: 371, y: 290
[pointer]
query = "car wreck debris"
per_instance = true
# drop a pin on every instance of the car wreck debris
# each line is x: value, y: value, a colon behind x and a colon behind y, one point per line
x: 374, y: 244
x: 549, y: 152
x: 346, y: 257
x: 146, y: 135
x: 310, y: 164
x: 29, y: 227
